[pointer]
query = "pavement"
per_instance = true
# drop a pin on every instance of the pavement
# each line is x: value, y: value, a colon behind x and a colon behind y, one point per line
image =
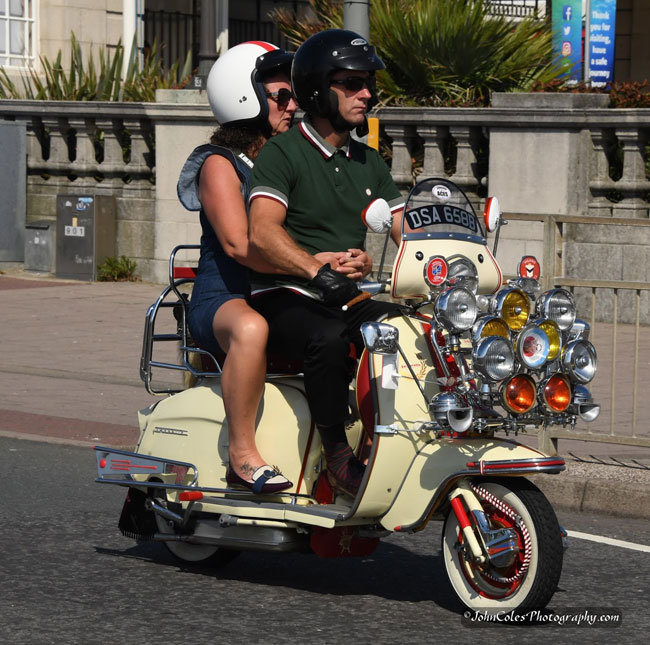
x: 69, y: 373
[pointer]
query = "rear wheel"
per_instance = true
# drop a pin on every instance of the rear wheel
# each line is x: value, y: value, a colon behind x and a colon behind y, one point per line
x: 205, y: 554
x: 530, y: 579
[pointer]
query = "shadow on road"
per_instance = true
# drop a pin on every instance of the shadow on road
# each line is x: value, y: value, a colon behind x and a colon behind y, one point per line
x: 392, y: 572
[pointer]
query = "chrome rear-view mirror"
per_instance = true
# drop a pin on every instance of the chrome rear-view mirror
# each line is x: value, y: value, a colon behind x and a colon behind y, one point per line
x: 380, y: 338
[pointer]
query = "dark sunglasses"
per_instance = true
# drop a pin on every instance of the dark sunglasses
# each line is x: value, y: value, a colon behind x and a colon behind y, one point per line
x: 281, y: 97
x: 355, y: 83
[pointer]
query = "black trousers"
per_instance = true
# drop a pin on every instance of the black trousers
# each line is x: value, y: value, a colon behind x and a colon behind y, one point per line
x: 301, y: 328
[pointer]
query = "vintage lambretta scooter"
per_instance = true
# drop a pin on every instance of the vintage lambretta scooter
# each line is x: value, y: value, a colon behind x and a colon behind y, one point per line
x: 468, y: 358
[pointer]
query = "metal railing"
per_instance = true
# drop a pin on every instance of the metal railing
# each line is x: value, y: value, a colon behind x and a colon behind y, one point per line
x: 621, y: 338
x: 175, y: 33
x: 518, y: 8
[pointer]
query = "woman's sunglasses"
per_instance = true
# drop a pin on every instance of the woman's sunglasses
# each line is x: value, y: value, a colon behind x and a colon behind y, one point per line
x: 355, y: 83
x: 281, y: 97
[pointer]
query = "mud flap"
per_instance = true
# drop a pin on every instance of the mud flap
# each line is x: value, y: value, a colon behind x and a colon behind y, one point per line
x: 136, y: 522
x: 342, y: 542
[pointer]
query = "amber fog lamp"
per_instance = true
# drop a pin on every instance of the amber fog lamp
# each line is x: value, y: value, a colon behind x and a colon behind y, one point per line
x: 558, y: 305
x: 555, y: 393
x: 552, y: 332
x: 519, y: 393
x: 513, y: 305
x: 490, y: 326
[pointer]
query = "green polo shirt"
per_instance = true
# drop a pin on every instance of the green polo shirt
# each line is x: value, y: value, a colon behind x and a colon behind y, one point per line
x: 324, y: 189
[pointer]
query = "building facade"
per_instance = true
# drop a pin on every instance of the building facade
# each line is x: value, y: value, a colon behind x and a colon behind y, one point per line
x: 31, y: 28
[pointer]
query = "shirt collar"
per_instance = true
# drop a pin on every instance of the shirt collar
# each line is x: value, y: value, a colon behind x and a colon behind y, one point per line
x: 324, y: 147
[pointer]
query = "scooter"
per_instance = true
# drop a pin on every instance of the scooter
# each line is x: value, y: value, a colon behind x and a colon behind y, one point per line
x: 441, y: 393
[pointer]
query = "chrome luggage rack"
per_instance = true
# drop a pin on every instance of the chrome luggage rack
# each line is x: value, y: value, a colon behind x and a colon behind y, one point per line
x: 173, y: 298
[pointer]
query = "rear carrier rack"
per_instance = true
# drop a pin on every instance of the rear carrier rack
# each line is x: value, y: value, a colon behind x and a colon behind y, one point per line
x: 175, y: 296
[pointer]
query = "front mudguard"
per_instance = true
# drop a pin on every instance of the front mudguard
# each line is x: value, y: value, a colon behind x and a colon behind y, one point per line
x: 440, y: 463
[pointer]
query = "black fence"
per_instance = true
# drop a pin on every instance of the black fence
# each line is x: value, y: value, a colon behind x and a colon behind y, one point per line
x: 519, y: 8
x: 239, y: 31
x: 177, y: 33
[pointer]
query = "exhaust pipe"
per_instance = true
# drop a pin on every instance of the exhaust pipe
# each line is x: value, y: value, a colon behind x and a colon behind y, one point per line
x: 163, y: 512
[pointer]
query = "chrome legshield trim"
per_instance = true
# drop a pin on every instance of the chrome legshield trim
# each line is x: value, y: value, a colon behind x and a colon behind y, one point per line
x: 496, y: 468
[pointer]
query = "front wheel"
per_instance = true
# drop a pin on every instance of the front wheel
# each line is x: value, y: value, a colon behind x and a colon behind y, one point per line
x: 530, y: 579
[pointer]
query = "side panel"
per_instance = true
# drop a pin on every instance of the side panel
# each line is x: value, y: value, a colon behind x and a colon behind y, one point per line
x: 191, y: 426
x: 403, y: 408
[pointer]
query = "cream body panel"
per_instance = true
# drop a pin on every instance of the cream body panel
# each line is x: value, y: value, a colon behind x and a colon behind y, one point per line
x: 190, y: 426
x: 404, y: 408
x: 408, y: 271
x: 434, y: 463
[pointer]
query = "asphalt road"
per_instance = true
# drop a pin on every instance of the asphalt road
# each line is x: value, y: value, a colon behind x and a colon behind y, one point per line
x: 68, y: 576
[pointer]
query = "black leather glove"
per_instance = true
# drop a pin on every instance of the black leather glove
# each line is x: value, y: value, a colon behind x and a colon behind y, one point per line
x: 335, y: 288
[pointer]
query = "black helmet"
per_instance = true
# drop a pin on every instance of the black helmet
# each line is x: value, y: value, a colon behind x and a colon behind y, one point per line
x: 321, y: 55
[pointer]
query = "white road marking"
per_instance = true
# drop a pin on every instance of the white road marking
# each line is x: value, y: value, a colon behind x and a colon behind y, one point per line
x: 605, y: 540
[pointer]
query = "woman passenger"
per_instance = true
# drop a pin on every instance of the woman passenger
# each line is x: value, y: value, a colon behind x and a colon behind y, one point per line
x: 250, y: 94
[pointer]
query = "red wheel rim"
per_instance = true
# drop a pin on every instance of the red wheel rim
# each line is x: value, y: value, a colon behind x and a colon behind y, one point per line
x: 498, y: 520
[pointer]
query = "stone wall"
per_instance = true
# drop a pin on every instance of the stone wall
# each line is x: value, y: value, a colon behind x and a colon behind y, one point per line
x: 545, y: 156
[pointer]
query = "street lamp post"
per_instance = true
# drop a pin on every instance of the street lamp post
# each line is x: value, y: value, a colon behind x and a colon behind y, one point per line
x: 207, y: 49
x: 356, y: 17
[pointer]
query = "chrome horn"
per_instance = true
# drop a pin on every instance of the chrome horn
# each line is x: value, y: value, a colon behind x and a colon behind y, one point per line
x: 450, y: 412
x: 583, y: 404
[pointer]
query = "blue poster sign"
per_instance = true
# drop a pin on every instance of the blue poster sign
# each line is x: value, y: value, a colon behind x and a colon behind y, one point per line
x: 600, y: 44
x: 566, y: 16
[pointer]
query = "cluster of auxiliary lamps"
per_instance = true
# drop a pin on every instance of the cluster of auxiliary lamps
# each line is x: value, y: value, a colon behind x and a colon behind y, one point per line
x: 529, y: 353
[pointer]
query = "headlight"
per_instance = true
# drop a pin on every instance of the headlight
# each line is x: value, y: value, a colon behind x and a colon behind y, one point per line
x: 558, y: 305
x: 518, y: 394
x: 555, y: 393
x: 488, y: 325
x: 532, y: 347
x: 456, y: 309
x: 463, y: 273
x: 552, y: 332
x: 579, y: 361
x: 513, y: 305
x: 494, y: 358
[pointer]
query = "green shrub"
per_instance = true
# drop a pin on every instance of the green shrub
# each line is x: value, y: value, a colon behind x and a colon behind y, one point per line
x: 114, y: 270
x: 622, y: 94
x: 83, y: 81
x: 442, y: 52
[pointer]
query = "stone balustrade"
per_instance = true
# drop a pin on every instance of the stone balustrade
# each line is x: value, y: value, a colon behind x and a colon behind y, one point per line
x: 560, y: 154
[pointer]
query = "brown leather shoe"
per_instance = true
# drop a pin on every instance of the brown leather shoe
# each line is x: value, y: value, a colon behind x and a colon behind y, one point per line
x: 347, y: 479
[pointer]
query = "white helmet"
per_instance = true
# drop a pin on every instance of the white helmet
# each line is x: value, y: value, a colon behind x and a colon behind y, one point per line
x: 235, y: 88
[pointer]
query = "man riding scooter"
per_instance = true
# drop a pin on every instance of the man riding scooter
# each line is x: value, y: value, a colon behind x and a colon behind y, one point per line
x: 309, y: 187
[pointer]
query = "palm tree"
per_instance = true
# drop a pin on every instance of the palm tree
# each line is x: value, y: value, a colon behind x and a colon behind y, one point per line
x: 442, y: 52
